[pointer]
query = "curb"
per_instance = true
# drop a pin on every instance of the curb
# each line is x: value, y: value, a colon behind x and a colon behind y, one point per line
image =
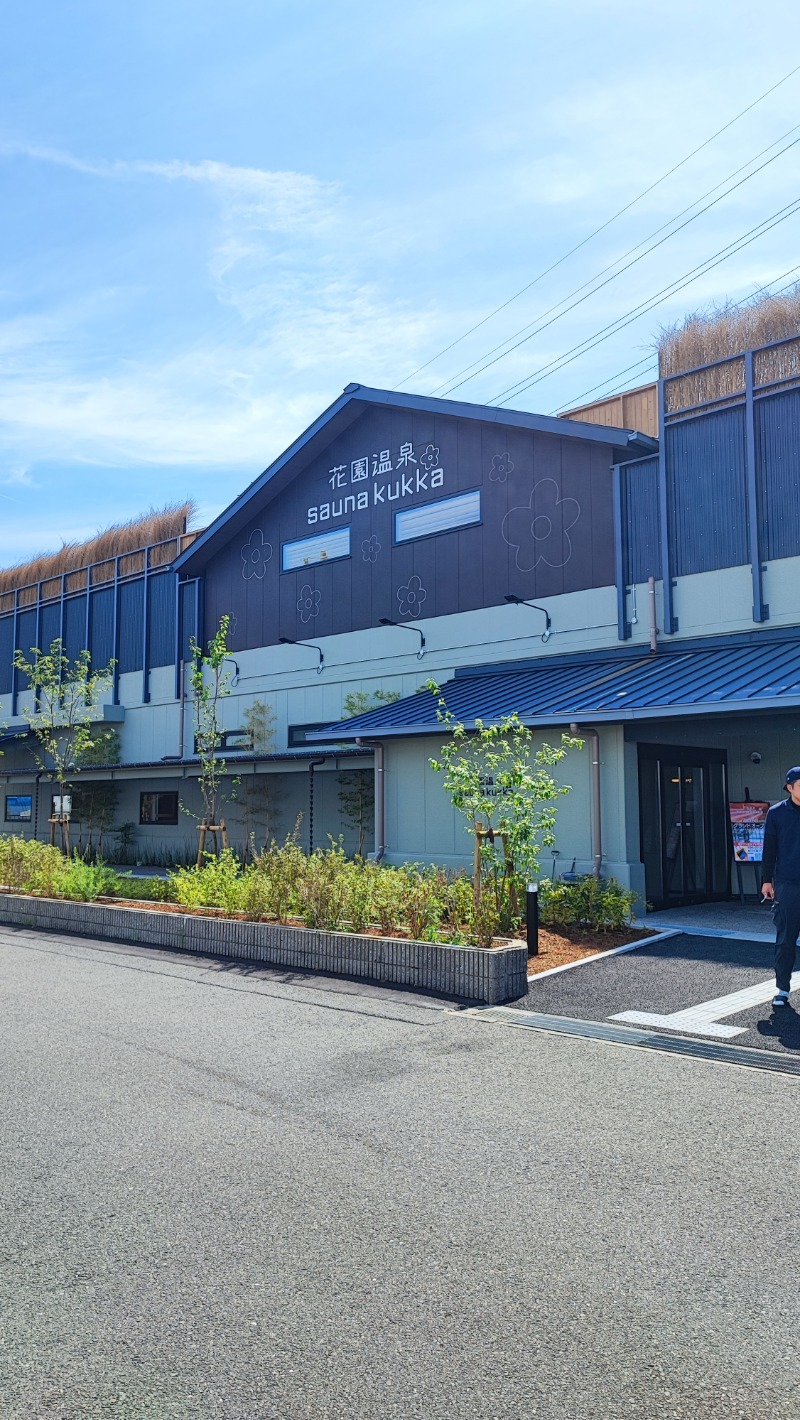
x: 600, y: 956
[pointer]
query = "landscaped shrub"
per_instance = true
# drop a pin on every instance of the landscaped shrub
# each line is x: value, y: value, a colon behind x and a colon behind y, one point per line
x: 281, y: 867
x: 216, y: 884
x: 85, y: 882
x: 388, y: 898
x: 142, y: 889
x: 26, y: 865
x: 324, y: 890
x: 424, y: 897
x: 601, y: 904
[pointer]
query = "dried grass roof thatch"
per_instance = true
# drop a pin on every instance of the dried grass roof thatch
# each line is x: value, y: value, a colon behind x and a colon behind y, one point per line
x: 728, y: 330
x: 158, y: 525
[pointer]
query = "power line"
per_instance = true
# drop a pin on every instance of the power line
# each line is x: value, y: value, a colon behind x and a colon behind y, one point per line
x: 529, y: 331
x: 644, y: 193
x: 574, y: 403
x: 688, y: 277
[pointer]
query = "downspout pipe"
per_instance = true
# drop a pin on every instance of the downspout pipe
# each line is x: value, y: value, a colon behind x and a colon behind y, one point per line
x: 182, y: 708
x: 312, y: 765
x: 380, y: 797
x: 651, y: 600
x: 593, y: 736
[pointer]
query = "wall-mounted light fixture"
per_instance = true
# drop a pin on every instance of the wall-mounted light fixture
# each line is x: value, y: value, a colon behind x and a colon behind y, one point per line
x: 288, y: 641
x: 404, y: 626
x: 519, y: 601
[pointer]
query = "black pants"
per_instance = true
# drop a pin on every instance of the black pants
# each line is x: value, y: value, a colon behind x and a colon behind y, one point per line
x: 786, y: 916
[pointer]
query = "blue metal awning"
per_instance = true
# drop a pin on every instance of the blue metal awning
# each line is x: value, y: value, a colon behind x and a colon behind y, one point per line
x: 693, y: 681
x: 8, y: 736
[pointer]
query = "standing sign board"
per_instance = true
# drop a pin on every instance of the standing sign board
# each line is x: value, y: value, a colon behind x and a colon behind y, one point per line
x: 747, y: 829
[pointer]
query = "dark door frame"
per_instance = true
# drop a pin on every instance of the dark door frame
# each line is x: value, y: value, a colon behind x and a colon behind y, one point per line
x: 685, y: 756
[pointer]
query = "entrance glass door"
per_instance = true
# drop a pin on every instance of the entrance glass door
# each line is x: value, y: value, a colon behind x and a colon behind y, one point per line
x: 685, y: 833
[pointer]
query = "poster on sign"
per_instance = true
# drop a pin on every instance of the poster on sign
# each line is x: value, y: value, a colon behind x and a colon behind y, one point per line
x: 747, y: 828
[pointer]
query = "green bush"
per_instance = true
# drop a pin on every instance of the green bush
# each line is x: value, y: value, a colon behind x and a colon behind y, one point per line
x: 216, y: 884
x: 143, y: 889
x: 26, y: 865
x: 85, y: 882
x: 601, y: 904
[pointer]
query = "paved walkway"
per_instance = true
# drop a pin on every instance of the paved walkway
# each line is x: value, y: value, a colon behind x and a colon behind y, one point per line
x: 711, y: 988
x: 720, y: 919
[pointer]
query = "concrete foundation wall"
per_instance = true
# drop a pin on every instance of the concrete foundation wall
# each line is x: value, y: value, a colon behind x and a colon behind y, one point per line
x: 463, y: 973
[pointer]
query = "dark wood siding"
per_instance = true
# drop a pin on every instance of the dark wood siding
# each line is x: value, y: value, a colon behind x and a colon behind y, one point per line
x: 546, y: 528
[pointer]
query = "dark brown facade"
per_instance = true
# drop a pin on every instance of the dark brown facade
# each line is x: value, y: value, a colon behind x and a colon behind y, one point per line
x: 419, y: 515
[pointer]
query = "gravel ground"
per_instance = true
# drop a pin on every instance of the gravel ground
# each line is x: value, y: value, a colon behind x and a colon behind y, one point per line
x: 227, y: 1192
x: 669, y: 976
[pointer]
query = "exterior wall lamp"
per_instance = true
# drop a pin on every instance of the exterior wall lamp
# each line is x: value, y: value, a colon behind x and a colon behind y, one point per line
x: 404, y: 626
x: 519, y: 601
x: 288, y: 641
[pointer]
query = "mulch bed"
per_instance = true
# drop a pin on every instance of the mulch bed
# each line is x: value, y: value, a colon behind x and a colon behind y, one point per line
x: 560, y: 945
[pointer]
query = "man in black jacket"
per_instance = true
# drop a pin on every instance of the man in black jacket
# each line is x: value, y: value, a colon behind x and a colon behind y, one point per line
x: 780, y: 869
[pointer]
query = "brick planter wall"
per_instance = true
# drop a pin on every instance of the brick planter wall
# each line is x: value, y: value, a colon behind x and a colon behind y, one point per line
x: 467, y: 973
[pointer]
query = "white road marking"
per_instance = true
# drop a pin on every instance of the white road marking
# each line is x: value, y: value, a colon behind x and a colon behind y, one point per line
x: 702, y: 1019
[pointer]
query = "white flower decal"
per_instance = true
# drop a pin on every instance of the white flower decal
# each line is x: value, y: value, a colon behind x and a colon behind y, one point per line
x: 308, y: 602
x: 256, y: 553
x: 370, y: 548
x: 430, y: 458
x: 411, y: 597
x: 539, y: 531
x: 501, y: 468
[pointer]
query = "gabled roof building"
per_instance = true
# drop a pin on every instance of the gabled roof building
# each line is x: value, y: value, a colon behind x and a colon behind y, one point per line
x: 646, y: 591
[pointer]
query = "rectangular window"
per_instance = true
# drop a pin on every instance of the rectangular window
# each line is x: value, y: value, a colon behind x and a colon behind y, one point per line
x: 19, y: 808
x: 311, y: 550
x: 298, y: 734
x: 444, y: 515
x: 158, y: 808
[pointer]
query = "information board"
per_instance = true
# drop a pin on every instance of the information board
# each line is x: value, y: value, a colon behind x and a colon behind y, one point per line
x: 747, y: 828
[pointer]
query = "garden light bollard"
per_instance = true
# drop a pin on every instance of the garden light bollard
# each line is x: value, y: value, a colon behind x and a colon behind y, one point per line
x: 532, y: 918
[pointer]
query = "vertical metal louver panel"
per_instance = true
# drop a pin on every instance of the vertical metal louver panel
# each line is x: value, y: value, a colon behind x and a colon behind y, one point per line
x: 642, y: 542
x: 6, y: 652
x: 707, y: 491
x: 131, y: 626
x: 74, y: 626
x: 26, y: 633
x: 777, y: 420
x: 101, y: 627
x: 188, y: 615
x: 162, y: 610
x: 49, y: 625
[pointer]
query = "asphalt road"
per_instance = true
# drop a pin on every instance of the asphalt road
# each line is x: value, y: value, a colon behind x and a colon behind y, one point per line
x: 231, y: 1193
x: 671, y: 975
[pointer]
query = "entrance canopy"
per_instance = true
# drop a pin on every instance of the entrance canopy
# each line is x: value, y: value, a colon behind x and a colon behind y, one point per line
x: 694, y: 679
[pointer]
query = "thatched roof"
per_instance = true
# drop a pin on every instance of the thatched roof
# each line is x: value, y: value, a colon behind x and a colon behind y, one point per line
x: 157, y: 526
x: 725, y: 330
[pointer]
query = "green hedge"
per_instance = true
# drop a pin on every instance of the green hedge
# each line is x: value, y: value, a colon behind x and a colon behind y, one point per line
x: 324, y: 889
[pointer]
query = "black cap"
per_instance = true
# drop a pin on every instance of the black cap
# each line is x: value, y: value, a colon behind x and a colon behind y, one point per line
x: 792, y: 775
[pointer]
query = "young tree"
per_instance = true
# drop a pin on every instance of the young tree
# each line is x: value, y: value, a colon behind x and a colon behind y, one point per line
x: 94, y: 804
x: 210, y: 682
x: 66, y: 701
x: 506, y: 791
x: 357, y: 786
x: 259, y: 795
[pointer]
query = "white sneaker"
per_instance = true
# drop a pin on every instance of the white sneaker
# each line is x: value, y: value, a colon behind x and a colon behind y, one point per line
x: 781, y: 998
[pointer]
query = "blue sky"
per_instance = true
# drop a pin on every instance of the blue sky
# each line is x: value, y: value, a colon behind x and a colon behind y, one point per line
x: 217, y: 216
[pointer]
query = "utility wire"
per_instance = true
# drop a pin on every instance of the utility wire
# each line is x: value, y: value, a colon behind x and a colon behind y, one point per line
x: 574, y: 403
x: 678, y: 285
x: 602, y: 227
x: 536, y: 327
